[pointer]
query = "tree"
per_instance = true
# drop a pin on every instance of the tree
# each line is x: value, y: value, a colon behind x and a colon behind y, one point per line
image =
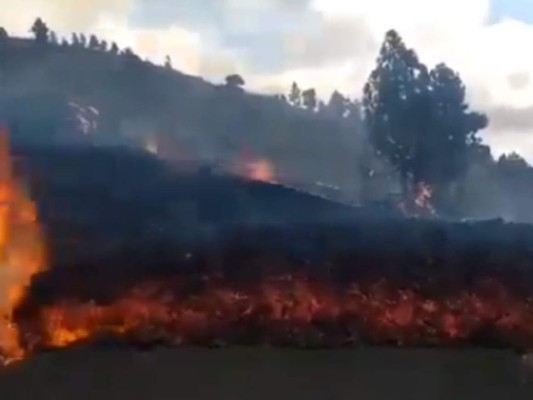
x: 94, y: 43
x: 83, y: 40
x: 75, y: 40
x: 396, y: 106
x: 129, y: 55
x: 512, y: 162
x: 309, y: 99
x: 453, y: 128
x: 114, y: 48
x: 295, y: 95
x: 3, y: 35
x: 418, y: 119
x: 168, y: 62
x: 40, y: 31
x: 103, y: 46
x: 337, y: 104
x: 234, y: 81
x: 52, y: 38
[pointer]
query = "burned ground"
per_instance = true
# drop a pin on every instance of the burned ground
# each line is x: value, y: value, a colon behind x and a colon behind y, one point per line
x: 143, y: 251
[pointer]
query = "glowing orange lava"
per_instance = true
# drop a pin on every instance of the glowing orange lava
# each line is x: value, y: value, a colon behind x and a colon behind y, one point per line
x: 21, y: 250
x: 288, y: 310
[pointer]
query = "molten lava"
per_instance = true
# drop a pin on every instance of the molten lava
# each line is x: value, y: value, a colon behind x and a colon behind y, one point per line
x: 21, y: 250
x: 286, y: 310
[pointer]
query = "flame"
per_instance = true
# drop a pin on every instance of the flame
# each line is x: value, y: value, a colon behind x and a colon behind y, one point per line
x: 256, y: 170
x: 287, y: 310
x: 21, y: 250
x: 261, y: 170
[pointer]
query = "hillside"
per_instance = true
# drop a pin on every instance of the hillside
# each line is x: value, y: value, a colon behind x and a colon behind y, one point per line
x: 97, y: 199
x: 184, y: 117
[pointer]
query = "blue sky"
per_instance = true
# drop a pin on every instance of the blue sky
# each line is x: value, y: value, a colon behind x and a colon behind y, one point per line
x: 518, y: 9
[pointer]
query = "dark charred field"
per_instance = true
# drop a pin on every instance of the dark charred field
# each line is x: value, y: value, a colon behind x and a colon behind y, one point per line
x: 261, y: 373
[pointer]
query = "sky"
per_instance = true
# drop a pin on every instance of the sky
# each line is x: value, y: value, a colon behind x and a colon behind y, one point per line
x: 325, y: 44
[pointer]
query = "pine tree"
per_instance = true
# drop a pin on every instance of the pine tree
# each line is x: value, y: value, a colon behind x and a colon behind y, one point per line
x: 295, y: 95
x: 40, y: 31
x: 395, y: 106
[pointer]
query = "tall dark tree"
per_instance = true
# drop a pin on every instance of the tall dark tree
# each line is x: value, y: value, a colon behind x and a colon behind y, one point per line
x: 114, y: 48
x: 295, y: 95
x: 418, y: 119
x: 94, y: 43
x: 337, y: 104
x: 453, y: 128
x: 396, y: 107
x: 40, y: 31
x: 75, y: 40
x: 309, y: 99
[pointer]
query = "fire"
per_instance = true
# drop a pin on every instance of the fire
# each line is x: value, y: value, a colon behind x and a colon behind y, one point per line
x: 256, y: 170
x: 21, y: 250
x: 286, y: 310
x: 260, y: 170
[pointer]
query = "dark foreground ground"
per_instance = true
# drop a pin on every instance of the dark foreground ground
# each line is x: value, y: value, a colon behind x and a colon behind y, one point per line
x: 273, y: 374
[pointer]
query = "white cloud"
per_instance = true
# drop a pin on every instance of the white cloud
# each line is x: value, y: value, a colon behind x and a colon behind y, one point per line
x: 62, y: 15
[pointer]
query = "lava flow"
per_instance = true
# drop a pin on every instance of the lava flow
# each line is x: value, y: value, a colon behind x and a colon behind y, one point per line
x: 21, y: 250
x: 290, y: 310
